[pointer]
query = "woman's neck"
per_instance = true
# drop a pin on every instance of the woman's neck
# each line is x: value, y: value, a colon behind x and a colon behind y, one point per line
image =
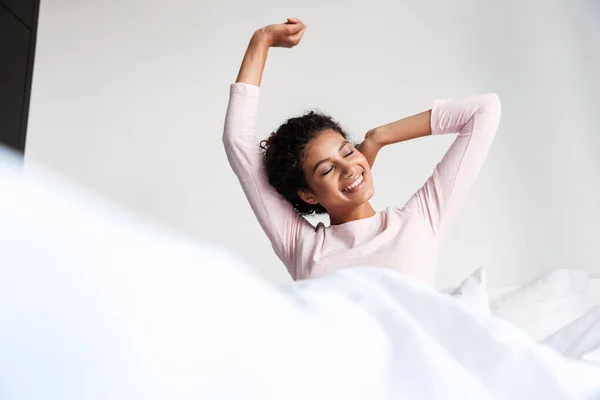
x: 361, y: 212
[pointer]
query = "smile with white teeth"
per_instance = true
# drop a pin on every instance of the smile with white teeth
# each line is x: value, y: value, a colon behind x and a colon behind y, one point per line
x: 354, y: 184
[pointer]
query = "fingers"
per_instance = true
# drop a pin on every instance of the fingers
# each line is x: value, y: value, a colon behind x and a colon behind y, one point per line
x: 299, y: 35
x: 295, y: 28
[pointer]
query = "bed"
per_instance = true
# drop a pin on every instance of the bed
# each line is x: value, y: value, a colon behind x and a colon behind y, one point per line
x: 560, y: 309
x: 96, y: 303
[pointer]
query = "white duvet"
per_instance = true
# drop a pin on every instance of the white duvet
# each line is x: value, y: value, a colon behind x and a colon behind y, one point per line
x: 580, y: 339
x: 95, y: 304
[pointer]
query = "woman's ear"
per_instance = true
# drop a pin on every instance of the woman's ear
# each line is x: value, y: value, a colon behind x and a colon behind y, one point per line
x: 307, y: 196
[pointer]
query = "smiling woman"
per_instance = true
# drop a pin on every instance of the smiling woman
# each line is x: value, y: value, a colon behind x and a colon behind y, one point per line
x: 309, y: 166
x: 310, y: 162
x: 338, y: 178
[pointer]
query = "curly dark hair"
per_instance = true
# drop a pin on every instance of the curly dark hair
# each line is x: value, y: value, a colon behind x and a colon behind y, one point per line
x: 284, y: 152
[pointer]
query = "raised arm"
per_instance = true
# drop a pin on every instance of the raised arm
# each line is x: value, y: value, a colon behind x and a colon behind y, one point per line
x: 276, y: 216
x: 408, y: 128
x: 475, y: 119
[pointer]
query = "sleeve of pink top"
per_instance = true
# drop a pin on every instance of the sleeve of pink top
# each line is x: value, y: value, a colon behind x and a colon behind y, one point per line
x: 282, y: 225
x: 476, y: 120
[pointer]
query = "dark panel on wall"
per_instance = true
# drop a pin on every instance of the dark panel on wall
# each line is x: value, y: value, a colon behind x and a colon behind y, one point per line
x: 18, y: 30
x: 30, y: 63
x: 23, y: 10
x: 14, y: 53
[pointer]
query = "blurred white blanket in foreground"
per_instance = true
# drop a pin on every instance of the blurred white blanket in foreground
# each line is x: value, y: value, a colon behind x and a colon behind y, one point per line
x: 96, y: 304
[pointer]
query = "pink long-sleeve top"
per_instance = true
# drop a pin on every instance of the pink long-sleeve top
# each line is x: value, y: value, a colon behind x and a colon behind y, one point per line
x: 405, y: 238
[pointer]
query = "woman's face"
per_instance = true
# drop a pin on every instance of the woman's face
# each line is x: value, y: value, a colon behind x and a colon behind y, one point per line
x: 338, y: 175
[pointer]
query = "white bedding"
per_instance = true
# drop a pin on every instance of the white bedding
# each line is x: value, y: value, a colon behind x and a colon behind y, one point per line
x: 95, y: 304
x: 591, y: 296
x: 560, y: 309
x: 546, y: 304
x: 579, y: 339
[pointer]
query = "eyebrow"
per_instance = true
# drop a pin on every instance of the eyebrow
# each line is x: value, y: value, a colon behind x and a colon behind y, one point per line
x: 328, y: 158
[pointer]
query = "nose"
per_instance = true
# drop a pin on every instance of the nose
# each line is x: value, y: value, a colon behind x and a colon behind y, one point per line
x: 348, y: 170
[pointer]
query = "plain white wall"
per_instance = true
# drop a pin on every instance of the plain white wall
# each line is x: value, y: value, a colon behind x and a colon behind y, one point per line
x: 129, y: 97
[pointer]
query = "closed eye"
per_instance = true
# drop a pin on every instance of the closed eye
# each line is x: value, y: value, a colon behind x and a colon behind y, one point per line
x: 328, y: 171
x: 331, y: 169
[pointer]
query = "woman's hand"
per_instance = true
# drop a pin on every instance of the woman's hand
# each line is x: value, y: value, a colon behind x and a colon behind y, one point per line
x: 287, y: 34
x: 370, y: 147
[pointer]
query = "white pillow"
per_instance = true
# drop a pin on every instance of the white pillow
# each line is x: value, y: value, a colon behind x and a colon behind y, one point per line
x: 473, y: 290
x: 545, y: 305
